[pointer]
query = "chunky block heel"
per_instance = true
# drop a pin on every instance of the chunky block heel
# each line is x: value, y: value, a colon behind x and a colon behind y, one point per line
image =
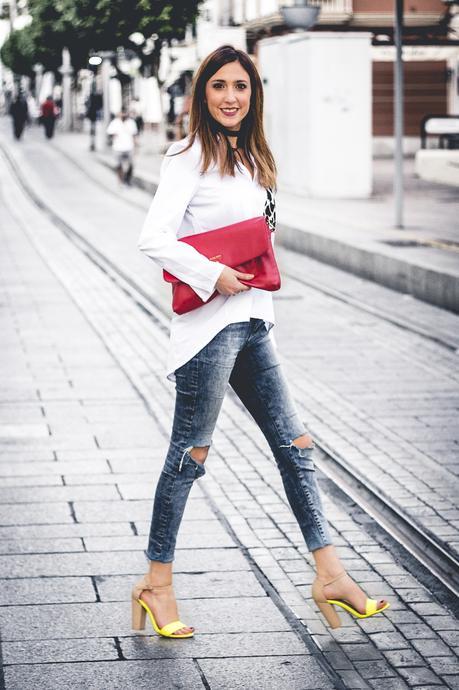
x: 329, y: 614
x: 139, y: 616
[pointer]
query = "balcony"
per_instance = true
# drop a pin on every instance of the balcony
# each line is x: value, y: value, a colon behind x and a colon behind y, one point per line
x: 266, y: 13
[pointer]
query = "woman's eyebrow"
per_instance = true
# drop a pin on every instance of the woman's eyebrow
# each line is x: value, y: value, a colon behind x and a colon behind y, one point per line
x: 236, y: 81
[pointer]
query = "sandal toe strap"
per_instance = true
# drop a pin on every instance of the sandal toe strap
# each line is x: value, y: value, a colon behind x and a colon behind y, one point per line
x: 371, y: 606
x: 171, y: 628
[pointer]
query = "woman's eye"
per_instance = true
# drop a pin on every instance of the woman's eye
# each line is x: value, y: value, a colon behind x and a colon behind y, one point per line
x: 242, y: 86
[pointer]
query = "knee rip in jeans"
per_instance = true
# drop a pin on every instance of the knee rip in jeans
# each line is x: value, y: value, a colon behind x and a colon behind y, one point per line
x: 302, y: 443
x: 196, y: 453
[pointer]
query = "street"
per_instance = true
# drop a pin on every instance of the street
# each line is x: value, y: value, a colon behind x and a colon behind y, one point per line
x: 85, y: 418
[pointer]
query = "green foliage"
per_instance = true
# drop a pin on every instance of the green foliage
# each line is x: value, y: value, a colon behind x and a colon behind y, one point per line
x: 85, y: 26
x: 18, y: 52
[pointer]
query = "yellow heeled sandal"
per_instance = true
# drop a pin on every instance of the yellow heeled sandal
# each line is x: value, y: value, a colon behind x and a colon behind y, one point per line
x: 140, y: 609
x: 326, y: 605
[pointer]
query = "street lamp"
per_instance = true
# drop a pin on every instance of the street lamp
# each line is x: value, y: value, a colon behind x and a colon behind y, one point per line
x: 300, y: 15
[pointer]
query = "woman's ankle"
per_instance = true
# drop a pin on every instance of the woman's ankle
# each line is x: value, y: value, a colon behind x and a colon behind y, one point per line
x: 160, y: 574
x: 328, y: 564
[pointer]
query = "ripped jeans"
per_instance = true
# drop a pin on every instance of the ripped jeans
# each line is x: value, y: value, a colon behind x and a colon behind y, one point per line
x: 242, y: 355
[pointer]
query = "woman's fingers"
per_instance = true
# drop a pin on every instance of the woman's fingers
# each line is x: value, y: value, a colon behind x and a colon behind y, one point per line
x: 229, y: 281
x: 244, y: 276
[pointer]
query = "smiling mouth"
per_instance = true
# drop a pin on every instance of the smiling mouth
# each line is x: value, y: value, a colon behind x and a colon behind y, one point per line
x: 229, y: 111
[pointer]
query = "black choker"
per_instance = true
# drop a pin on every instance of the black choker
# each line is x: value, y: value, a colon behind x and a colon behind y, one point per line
x: 239, y: 133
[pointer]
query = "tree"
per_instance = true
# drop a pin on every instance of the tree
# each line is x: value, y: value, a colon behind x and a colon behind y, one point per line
x: 84, y: 26
x: 18, y: 52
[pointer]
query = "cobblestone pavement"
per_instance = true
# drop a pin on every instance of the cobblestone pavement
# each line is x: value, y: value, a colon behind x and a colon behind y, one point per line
x: 80, y: 455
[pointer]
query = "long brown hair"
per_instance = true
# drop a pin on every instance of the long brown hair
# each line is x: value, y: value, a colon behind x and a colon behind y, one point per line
x: 254, y: 141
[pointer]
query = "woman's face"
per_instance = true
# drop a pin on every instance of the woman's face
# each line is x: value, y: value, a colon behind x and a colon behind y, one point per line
x: 228, y: 94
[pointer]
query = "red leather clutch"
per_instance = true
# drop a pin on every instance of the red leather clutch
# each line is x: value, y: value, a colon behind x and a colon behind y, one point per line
x: 245, y: 246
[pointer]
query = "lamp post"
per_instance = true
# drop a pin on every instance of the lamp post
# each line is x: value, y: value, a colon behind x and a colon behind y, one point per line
x: 398, y: 114
x: 94, y: 101
x: 66, y: 70
x: 106, y: 56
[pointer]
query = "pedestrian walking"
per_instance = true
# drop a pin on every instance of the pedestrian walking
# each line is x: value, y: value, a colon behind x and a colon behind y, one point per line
x: 124, y: 131
x: 20, y: 114
x: 136, y: 111
x: 48, y: 114
x: 221, y: 174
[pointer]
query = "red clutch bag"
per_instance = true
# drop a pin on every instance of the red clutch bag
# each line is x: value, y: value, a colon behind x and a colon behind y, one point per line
x: 244, y: 246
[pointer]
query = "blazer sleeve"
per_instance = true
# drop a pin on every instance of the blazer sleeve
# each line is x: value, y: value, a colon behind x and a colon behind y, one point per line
x: 179, y: 180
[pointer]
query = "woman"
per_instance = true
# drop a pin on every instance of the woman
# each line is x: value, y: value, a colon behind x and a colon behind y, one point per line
x: 218, y: 176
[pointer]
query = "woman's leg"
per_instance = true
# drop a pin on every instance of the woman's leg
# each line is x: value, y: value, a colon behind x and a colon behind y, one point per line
x: 201, y: 385
x: 258, y: 381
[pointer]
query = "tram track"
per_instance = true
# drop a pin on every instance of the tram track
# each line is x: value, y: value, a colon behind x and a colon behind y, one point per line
x: 420, y: 544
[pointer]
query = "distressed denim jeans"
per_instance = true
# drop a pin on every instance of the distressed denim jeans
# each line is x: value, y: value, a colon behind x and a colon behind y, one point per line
x: 241, y: 355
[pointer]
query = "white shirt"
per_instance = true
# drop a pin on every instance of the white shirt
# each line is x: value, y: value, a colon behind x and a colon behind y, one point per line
x: 187, y: 202
x: 123, y: 134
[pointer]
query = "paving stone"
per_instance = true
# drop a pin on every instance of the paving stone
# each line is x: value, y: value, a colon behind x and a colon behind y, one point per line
x: 189, y: 585
x: 59, y: 531
x: 265, y: 644
x: 419, y: 675
x: 430, y: 648
x: 374, y: 669
x: 377, y: 624
x: 40, y: 546
x: 451, y: 637
x: 255, y: 673
x: 198, y: 540
x: 361, y: 652
x: 56, y: 494
x: 35, y: 513
x: 338, y: 661
x: 388, y: 640
x: 445, y: 665
x: 403, y: 657
x: 431, y: 609
x: 118, y: 563
x: 105, y: 620
x: 95, y: 675
x: 352, y: 679
x: 113, y: 511
x: 401, y: 616
x: 34, y: 469
x: 58, y: 651
x: 441, y: 622
x: 46, y: 590
x: 388, y: 684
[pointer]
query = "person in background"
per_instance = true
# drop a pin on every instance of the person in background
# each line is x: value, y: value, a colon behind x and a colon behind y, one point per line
x: 34, y: 111
x: 136, y: 114
x: 123, y: 131
x: 48, y: 114
x: 20, y: 115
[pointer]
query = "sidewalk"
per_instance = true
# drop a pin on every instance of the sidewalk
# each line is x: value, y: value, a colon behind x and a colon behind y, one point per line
x: 355, y: 235
x: 80, y: 454
x: 76, y: 426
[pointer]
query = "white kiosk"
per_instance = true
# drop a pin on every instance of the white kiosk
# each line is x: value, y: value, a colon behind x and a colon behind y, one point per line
x: 318, y: 111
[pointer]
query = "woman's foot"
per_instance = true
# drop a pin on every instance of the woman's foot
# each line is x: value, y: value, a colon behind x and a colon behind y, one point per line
x: 161, y: 601
x: 345, y: 589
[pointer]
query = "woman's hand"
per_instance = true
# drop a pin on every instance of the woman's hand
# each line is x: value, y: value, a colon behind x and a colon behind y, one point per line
x: 229, y: 281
